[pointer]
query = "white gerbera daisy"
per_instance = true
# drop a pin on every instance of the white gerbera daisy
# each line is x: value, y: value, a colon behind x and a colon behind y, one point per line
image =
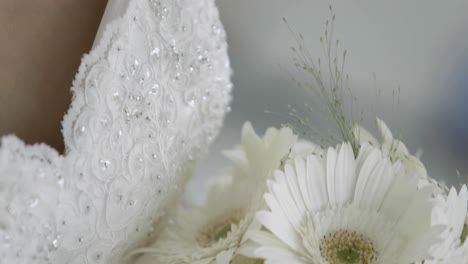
x: 215, y: 232
x: 256, y: 158
x: 338, y: 209
x: 395, y: 149
x: 451, y: 209
x: 211, y: 233
x: 451, y: 213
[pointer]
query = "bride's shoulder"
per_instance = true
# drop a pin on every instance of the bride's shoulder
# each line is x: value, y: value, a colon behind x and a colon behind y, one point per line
x: 147, y: 102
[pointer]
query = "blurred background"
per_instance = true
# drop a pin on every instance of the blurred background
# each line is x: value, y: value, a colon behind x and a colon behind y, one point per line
x: 407, y: 63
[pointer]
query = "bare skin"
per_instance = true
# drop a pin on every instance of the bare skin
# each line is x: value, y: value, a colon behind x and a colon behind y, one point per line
x: 41, y: 45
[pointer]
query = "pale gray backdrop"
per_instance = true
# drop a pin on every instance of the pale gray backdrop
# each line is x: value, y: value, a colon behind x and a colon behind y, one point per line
x: 420, y: 46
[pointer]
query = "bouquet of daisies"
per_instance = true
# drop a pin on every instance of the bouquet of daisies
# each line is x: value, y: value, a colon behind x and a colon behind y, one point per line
x: 285, y: 200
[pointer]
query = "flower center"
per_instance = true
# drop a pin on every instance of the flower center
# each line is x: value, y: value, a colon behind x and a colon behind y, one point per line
x: 347, y: 247
x: 238, y: 259
x: 220, y: 227
x: 222, y: 232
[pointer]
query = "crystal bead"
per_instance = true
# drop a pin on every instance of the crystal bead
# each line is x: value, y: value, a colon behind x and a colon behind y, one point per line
x: 154, y: 89
x: 155, y: 52
x: 33, y: 201
x: 116, y: 96
x: 191, y: 101
x: 134, y: 67
x: 105, y: 164
x: 80, y: 130
x: 145, y: 74
x: 55, y: 242
x: 60, y: 181
x: 123, y: 75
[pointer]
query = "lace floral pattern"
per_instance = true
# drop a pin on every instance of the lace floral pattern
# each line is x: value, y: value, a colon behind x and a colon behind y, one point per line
x: 146, y: 104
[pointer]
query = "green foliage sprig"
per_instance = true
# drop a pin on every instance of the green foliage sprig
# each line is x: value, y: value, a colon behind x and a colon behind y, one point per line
x: 328, y: 85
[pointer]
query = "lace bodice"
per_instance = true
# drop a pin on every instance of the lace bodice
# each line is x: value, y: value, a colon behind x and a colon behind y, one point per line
x: 147, y: 101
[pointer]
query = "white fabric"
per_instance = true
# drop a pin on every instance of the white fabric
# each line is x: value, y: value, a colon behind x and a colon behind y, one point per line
x: 147, y: 102
x: 114, y: 10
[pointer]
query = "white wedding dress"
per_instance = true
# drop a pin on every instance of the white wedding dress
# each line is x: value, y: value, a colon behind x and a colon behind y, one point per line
x: 147, y: 102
